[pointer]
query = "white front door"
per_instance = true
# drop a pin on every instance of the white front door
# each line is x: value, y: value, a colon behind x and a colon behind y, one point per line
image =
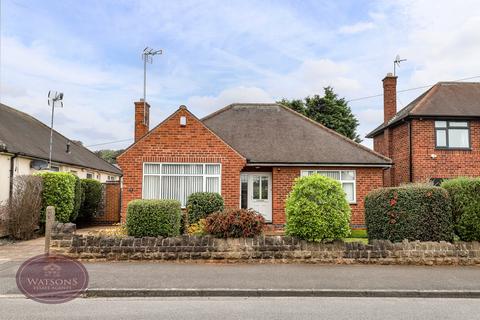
x: 259, y: 192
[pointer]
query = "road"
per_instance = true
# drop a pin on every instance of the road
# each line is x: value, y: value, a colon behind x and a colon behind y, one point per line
x: 244, y: 308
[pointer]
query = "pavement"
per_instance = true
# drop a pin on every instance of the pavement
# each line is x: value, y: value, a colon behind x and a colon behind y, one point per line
x: 160, y: 279
x: 244, y: 308
x: 127, y: 279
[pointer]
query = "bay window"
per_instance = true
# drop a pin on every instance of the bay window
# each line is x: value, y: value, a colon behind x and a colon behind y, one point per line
x: 345, y: 177
x: 177, y: 181
x: 452, y: 134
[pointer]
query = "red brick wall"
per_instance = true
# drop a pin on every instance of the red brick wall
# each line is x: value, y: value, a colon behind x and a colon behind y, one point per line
x: 394, y: 143
x: 449, y: 163
x: 170, y: 142
x: 367, y: 179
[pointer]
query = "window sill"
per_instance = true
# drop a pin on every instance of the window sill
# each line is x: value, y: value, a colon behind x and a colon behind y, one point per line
x: 453, y: 149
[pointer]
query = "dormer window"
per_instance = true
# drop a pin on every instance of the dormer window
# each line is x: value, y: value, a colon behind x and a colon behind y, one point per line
x: 452, y: 135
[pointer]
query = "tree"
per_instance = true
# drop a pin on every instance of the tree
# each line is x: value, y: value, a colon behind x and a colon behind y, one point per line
x: 330, y: 110
x: 109, y: 155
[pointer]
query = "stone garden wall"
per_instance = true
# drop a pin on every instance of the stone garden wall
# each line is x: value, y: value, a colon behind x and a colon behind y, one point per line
x: 265, y: 249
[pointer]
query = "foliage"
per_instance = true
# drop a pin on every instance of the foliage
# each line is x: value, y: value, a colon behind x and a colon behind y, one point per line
x: 413, y: 212
x: 109, y: 155
x: 201, y: 204
x: 78, y: 200
x: 329, y: 110
x: 358, y: 234
x: 58, y: 191
x: 21, y: 214
x: 198, y: 228
x: 465, y: 195
x: 317, y: 209
x: 235, y: 223
x: 152, y: 218
x: 92, y: 198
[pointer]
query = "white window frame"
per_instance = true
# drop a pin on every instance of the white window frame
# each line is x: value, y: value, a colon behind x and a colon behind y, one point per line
x: 304, y: 173
x: 203, y: 175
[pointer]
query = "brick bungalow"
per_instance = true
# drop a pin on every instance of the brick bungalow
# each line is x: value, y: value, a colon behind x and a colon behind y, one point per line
x: 250, y: 153
x: 435, y: 137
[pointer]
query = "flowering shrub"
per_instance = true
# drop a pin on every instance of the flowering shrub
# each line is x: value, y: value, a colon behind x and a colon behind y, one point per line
x: 235, y: 223
x: 413, y: 212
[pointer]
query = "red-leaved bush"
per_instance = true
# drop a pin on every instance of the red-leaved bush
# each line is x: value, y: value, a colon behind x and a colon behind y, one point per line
x: 235, y: 223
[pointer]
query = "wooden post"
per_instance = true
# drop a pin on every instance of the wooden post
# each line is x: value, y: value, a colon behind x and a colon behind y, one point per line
x: 49, y: 220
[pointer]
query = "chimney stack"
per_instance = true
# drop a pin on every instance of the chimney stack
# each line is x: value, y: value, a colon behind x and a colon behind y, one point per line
x: 389, y: 97
x: 142, y: 118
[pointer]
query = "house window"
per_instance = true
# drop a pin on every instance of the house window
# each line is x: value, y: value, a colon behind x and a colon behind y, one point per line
x: 345, y: 177
x: 55, y: 168
x: 452, y: 134
x: 177, y: 181
x: 89, y: 175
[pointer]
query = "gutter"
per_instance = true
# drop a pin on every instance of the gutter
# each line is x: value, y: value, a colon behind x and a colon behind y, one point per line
x: 309, y: 164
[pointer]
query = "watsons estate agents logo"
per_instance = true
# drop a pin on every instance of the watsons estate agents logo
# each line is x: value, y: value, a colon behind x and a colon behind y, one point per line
x: 52, y: 278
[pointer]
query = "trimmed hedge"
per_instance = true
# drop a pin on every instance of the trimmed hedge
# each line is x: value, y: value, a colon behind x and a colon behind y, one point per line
x: 92, y: 196
x: 78, y: 199
x: 413, y: 212
x: 235, y: 223
x: 153, y: 218
x: 317, y: 209
x: 201, y: 204
x: 58, y: 191
x: 465, y: 195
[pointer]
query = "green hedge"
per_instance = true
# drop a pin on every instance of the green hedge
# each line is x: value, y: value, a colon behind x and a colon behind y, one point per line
x: 92, y: 196
x: 58, y: 191
x: 465, y: 195
x: 152, y: 218
x: 201, y: 204
x: 78, y: 199
x: 317, y: 209
x: 413, y: 212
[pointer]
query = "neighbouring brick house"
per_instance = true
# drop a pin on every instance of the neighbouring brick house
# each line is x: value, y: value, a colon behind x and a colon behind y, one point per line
x: 250, y: 153
x: 435, y: 137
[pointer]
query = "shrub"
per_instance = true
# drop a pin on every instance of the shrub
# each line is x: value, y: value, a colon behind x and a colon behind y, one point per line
x: 317, y: 209
x: 465, y: 196
x: 78, y: 200
x: 235, y: 223
x: 201, y: 204
x: 58, y: 191
x: 22, y: 212
x: 152, y: 218
x: 92, y: 190
x: 198, y: 228
x: 413, y: 212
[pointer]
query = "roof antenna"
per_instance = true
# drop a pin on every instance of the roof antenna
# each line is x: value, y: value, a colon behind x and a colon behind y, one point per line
x: 147, y: 56
x: 396, y: 63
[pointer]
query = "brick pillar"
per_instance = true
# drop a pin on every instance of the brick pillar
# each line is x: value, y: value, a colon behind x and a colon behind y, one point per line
x: 142, y: 119
x: 389, y: 97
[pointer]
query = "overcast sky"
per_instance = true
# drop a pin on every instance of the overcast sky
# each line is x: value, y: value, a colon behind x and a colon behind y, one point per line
x: 219, y: 52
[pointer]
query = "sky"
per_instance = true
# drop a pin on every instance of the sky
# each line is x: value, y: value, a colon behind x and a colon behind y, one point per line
x: 219, y: 52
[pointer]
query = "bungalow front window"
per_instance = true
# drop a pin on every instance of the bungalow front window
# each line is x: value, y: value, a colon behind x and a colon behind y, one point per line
x: 345, y: 177
x: 452, y: 134
x: 177, y: 181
